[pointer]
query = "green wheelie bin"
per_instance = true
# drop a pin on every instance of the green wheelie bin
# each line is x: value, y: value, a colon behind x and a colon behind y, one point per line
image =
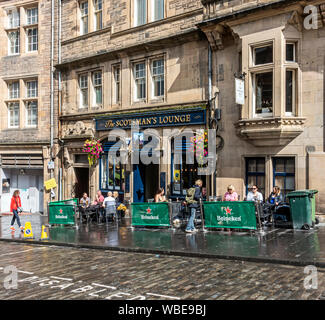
x: 302, y: 207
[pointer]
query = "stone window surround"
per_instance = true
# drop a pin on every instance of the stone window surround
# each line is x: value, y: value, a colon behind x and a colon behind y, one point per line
x: 22, y: 100
x: 23, y: 27
x: 149, y: 12
x: 149, y: 83
x: 91, y: 91
x: 91, y: 17
x: 279, y: 67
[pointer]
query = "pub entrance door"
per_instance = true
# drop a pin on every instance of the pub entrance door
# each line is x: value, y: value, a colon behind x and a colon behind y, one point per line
x: 145, y: 181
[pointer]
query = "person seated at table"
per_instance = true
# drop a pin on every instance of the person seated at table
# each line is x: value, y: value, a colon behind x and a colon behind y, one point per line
x: 84, y: 201
x: 230, y: 195
x: 159, y: 196
x: 276, y: 196
x: 99, y: 199
x: 110, y: 205
x: 116, y: 196
x: 254, y: 195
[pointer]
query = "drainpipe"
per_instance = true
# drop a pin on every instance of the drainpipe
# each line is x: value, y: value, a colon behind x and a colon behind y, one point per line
x: 52, y: 82
x: 60, y: 98
x: 212, y: 179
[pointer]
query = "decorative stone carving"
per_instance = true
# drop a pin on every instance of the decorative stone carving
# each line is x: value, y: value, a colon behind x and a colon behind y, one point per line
x: 77, y: 129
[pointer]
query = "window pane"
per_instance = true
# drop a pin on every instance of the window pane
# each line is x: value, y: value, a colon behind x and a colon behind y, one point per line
x: 32, y: 16
x: 279, y: 165
x: 111, y: 173
x: 290, y: 52
x: 104, y: 171
x: 260, y: 182
x: 251, y: 165
x: 279, y: 181
x: 98, y: 95
x: 31, y: 110
x: 140, y: 12
x: 290, y: 184
x: 13, y: 114
x: 14, y: 90
x: 290, y: 165
x: 264, y: 92
x: 264, y: 55
x: 13, y: 42
x: 140, y: 81
x: 159, y: 9
x: 289, y: 91
x: 32, y: 35
x: 84, y: 17
x: 117, y: 84
x: 31, y: 89
x: 13, y: 19
x: 260, y: 165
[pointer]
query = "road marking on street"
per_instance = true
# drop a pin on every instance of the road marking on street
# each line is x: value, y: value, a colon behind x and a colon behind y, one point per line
x: 59, y: 278
x: 21, y: 271
x: 17, y: 252
x: 101, y: 285
x: 160, y: 295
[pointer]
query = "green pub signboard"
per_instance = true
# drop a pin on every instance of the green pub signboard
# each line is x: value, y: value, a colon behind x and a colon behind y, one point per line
x: 150, y: 214
x: 61, y: 214
x: 230, y: 214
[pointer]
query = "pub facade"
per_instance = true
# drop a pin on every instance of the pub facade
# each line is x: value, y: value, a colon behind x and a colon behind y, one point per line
x: 160, y: 64
x: 148, y: 68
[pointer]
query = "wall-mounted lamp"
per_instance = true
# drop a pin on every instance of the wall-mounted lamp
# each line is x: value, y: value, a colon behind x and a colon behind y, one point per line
x: 22, y: 172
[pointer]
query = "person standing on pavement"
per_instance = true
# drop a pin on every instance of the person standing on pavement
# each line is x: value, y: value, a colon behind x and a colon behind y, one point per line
x: 193, y: 199
x: 15, y: 208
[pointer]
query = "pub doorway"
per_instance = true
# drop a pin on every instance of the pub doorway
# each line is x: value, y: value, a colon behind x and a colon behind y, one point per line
x: 81, y: 183
x: 145, y: 182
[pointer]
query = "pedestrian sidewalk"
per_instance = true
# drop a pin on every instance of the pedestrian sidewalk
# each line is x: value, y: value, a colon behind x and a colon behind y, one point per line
x: 284, y: 246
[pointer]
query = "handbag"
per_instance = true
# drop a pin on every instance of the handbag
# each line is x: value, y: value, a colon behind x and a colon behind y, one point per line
x: 19, y: 209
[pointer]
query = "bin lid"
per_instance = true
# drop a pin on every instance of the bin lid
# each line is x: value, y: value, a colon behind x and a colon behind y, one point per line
x: 301, y: 193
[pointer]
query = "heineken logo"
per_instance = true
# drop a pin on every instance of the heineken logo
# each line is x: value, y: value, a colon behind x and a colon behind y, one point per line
x: 149, y: 210
x: 61, y: 211
x: 227, y: 210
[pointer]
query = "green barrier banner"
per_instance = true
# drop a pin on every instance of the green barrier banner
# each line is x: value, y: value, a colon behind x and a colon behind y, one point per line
x: 230, y: 214
x: 61, y: 214
x: 150, y: 214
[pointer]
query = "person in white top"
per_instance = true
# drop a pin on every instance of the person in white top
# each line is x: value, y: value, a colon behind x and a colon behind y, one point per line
x: 254, y: 195
x: 110, y: 205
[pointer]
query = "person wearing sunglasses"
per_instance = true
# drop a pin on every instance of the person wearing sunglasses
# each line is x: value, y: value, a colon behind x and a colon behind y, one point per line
x: 254, y: 195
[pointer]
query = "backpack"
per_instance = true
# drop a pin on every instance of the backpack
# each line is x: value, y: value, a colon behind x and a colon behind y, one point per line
x: 190, y: 196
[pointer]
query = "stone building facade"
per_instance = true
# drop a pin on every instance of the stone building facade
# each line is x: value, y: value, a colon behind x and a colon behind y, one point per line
x: 276, y: 137
x: 148, y: 58
x: 132, y: 60
x: 25, y: 60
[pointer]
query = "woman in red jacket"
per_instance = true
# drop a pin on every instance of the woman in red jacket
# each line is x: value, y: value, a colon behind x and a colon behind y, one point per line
x: 14, y: 208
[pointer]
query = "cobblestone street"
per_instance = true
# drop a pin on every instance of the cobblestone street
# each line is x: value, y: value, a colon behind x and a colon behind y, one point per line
x: 51, y: 272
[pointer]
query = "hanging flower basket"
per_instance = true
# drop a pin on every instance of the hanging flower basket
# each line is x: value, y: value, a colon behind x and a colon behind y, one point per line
x: 199, y: 145
x: 94, y: 150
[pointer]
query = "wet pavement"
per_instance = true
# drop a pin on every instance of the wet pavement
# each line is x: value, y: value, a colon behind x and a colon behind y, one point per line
x: 62, y: 273
x: 285, y: 246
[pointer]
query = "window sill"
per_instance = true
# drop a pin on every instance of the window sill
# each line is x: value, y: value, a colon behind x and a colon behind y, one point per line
x: 157, y: 100
x: 273, y: 131
x: 31, y: 26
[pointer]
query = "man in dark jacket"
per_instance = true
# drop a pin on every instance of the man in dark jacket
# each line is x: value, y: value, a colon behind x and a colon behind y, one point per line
x: 194, y: 206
